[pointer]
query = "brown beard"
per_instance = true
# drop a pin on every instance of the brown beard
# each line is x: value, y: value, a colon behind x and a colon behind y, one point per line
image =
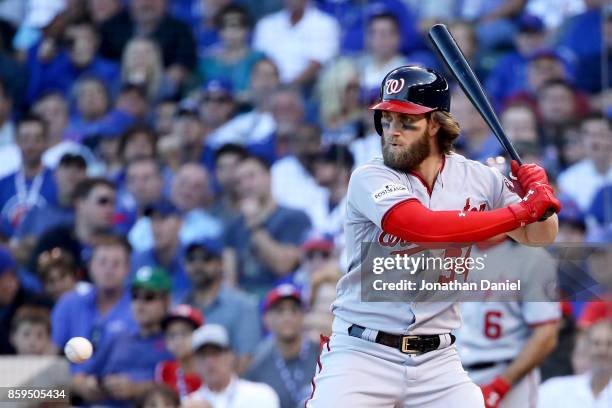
x: 408, y: 158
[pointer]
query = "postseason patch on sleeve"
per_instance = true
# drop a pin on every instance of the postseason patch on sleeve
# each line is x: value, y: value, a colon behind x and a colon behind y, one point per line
x: 388, y: 190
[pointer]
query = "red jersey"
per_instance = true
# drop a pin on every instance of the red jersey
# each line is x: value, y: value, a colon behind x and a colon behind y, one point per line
x: 171, y: 374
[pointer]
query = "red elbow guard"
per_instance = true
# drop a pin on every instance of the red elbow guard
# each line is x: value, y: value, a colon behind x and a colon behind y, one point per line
x: 412, y: 221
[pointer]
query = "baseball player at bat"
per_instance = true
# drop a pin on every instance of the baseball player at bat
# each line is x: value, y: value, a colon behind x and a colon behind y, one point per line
x: 401, y: 354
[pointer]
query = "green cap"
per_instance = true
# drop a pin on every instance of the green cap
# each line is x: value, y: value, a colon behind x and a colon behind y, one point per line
x: 152, y: 278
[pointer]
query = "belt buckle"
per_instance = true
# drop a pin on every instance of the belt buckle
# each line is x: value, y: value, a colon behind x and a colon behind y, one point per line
x: 406, y: 345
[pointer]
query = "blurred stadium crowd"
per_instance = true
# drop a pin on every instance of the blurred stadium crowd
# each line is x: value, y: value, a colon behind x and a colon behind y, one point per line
x: 198, y: 152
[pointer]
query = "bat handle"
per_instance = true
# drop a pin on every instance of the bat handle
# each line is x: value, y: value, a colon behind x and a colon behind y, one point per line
x: 547, y: 215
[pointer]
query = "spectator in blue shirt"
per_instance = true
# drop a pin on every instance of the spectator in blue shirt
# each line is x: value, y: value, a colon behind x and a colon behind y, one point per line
x: 77, y: 57
x: 71, y: 170
x: 92, y: 106
x: 125, y: 369
x: 219, y: 302
x: 33, y: 184
x: 262, y: 245
x: 165, y: 223
x: 97, y: 311
x: 94, y: 203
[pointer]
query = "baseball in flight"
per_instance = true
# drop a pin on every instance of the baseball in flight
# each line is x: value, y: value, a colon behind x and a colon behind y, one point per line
x: 78, y: 349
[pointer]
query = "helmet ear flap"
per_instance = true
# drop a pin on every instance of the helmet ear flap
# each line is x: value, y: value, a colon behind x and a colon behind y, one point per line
x: 377, y: 122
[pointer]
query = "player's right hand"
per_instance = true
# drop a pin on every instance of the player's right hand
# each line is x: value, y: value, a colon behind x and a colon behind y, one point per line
x: 537, y: 200
x: 494, y: 392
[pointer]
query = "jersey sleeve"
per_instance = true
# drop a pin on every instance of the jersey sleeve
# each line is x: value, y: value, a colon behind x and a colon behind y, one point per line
x: 374, y: 190
x: 503, y: 190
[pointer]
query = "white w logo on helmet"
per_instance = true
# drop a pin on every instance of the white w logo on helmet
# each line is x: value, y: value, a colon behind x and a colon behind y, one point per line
x: 393, y: 86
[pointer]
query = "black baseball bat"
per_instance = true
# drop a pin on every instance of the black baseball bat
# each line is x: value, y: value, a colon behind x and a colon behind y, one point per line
x: 454, y: 59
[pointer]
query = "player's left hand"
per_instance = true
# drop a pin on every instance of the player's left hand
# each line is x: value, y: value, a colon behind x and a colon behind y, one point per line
x: 527, y: 175
x: 494, y: 392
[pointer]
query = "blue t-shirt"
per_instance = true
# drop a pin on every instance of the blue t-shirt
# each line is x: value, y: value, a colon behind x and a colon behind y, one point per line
x: 36, y: 192
x: 285, y: 225
x: 76, y: 314
x: 60, y: 74
x: 132, y: 355
x: 40, y: 219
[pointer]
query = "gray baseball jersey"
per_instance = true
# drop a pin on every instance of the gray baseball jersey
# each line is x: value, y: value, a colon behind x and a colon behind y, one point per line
x: 374, y: 189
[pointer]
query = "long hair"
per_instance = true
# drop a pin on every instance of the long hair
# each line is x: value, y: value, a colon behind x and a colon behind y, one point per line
x: 449, y: 130
x: 155, y: 70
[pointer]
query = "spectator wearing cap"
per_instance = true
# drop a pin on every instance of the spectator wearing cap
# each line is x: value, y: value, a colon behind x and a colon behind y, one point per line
x: 590, y: 389
x: 165, y: 222
x: 125, y: 369
x: 216, y: 106
x: 52, y: 107
x: 13, y: 295
x: 178, y: 327
x: 214, y: 362
x: 253, y: 129
x: 220, y: 303
x: 233, y: 59
x: 32, y: 185
x: 262, y: 245
x: 287, y: 360
x: 582, y: 180
x: 307, y: 195
x: 98, y: 311
x: 76, y: 56
x: 94, y: 208
x: 151, y: 19
x: 317, y: 251
x: 227, y: 158
x: 509, y: 74
x: 300, y: 39
x: 71, y: 170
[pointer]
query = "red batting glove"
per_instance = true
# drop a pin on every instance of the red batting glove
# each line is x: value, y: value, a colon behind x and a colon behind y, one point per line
x: 494, y: 392
x: 538, y: 199
x: 528, y: 174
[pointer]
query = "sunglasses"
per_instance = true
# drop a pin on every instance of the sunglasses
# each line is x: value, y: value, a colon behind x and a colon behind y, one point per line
x: 145, y: 296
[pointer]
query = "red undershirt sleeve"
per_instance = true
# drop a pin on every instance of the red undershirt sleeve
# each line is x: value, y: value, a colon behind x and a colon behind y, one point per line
x: 412, y: 221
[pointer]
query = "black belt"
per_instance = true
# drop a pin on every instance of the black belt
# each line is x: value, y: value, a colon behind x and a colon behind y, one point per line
x: 406, y: 344
x: 484, y: 365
